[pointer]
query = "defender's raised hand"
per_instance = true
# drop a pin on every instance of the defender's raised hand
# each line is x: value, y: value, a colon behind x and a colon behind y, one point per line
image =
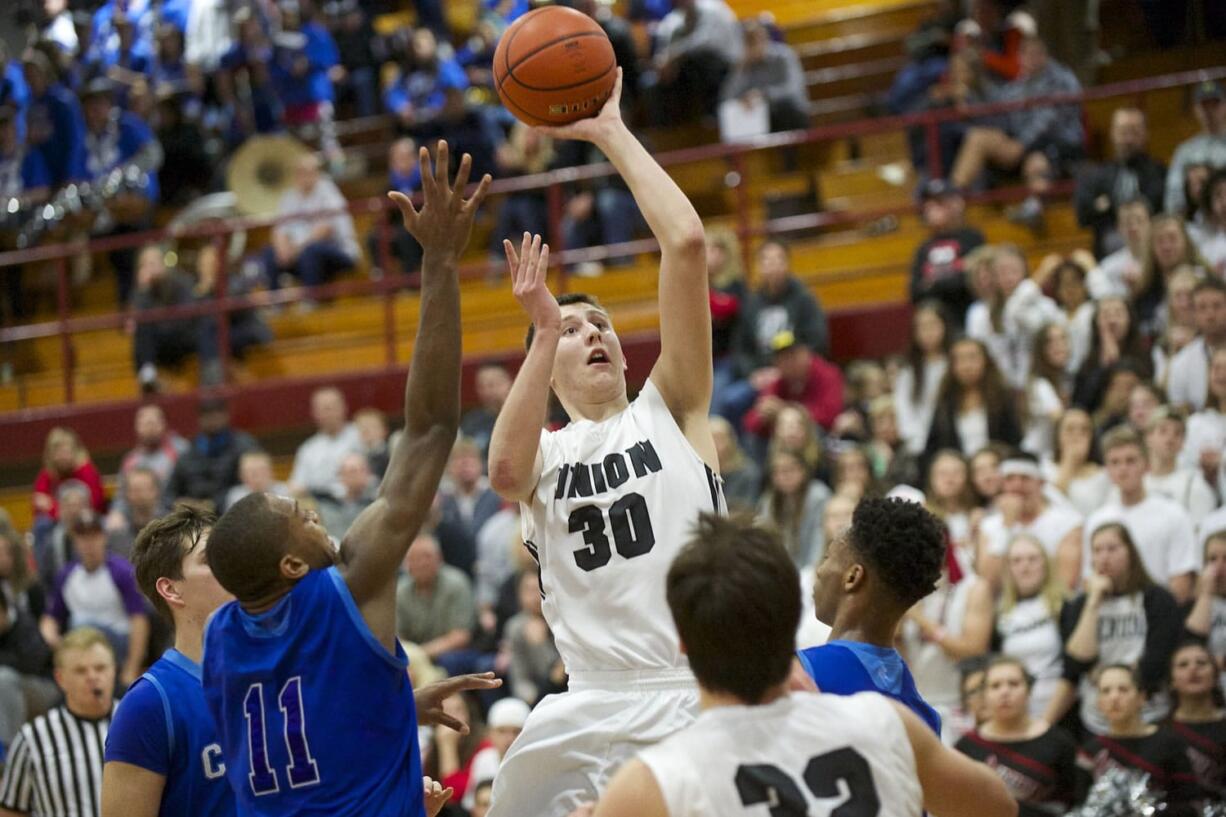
x: 529, y: 268
x: 445, y: 220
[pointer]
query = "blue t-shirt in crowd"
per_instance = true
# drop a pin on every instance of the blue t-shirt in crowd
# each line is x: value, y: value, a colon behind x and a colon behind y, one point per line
x: 21, y: 172
x: 848, y: 667
x: 426, y: 91
x: 315, y: 716
x: 163, y: 725
x: 123, y: 138
x: 56, y: 129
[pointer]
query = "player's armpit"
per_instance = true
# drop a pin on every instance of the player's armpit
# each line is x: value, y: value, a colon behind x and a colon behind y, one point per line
x: 633, y: 792
x: 946, y: 775
x: 130, y: 791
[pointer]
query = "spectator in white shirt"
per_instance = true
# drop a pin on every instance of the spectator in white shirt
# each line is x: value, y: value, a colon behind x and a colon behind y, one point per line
x: 1205, y: 442
x: 1159, y: 526
x: 1164, y: 439
x: 1022, y: 508
x: 1188, y: 377
x: 318, y: 460
x: 1120, y: 271
x: 919, y: 381
x: 1017, y: 310
x: 311, y: 249
x: 59, y: 28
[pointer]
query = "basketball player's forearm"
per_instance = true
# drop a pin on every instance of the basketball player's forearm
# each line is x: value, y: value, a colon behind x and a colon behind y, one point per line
x: 668, y: 212
x: 432, y: 392
x: 515, y: 441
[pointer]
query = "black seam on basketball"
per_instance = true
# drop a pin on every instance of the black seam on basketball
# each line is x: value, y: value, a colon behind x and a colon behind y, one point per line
x: 602, y: 75
x: 543, y: 46
x: 506, y: 55
x: 506, y: 99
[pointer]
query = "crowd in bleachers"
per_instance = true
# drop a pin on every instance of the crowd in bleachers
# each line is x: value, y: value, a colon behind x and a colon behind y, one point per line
x: 1066, y: 420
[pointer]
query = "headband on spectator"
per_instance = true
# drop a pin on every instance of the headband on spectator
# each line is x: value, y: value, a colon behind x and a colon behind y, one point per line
x: 1020, y: 468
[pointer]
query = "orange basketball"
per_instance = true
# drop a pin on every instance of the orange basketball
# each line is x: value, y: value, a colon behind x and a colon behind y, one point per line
x: 554, y: 65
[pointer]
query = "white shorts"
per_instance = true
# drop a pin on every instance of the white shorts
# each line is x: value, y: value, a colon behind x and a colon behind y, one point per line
x: 572, y: 743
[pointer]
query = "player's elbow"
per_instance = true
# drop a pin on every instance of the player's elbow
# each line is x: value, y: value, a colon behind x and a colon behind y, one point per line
x: 689, y: 238
x: 507, y: 479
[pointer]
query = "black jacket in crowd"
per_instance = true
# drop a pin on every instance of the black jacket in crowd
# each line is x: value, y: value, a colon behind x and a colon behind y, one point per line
x: 1104, y: 179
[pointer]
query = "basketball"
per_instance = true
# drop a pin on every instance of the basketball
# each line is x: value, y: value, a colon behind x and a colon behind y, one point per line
x: 554, y: 66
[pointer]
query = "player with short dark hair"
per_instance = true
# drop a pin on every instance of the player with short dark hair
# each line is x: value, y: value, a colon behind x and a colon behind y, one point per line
x: 734, y: 594
x: 888, y: 559
x: 303, y: 674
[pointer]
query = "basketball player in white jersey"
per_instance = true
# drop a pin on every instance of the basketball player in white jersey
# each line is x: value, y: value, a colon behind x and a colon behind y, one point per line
x: 758, y: 750
x: 609, y: 500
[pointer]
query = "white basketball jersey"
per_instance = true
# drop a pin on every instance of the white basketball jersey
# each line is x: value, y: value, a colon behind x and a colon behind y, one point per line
x: 615, y: 503
x: 804, y: 754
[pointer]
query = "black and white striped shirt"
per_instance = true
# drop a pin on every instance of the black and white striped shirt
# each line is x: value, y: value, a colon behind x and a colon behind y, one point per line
x: 54, y: 767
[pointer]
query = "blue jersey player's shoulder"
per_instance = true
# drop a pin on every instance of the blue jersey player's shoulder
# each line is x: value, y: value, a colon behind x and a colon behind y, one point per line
x: 163, y: 725
x: 847, y: 667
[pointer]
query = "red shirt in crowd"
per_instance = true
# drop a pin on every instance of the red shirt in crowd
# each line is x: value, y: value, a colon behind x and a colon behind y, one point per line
x: 821, y: 393
x: 48, y: 483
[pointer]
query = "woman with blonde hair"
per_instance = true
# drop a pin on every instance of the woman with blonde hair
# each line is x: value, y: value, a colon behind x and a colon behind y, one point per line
x: 1170, y: 247
x: 742, y: 477
x: 796, y: 431
x: 1027, y: 618
x: 65, y: 458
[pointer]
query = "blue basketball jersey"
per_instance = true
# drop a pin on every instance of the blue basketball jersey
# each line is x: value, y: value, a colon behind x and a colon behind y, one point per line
x: 163, y: 725
x: 848, y: 667
x: 315, y: 716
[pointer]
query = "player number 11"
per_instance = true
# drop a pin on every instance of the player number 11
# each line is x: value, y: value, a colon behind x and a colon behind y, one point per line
x: 302, y: 770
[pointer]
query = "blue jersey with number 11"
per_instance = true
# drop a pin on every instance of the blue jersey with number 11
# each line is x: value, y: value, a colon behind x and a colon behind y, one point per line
x: 315, y: 716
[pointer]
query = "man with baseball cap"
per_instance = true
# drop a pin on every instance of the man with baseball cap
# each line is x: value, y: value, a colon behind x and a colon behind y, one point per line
x: 937, y: 267
x: 1022, y: 508
x: 98, y: 589
x: 1205, y: 148
x: 805, y: 377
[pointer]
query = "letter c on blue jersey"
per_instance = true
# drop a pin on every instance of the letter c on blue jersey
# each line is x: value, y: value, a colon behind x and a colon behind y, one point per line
x: 214, y: 766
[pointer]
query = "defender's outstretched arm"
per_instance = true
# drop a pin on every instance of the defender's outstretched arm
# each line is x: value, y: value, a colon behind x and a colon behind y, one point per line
x: 376, y: 544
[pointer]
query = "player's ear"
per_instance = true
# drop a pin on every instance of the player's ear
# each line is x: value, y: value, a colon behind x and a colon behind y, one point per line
x: 169, y: 592
x: 854, y: 578
x: 293, y: 568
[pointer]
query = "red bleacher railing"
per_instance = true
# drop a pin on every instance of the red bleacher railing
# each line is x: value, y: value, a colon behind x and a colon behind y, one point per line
x: 65, y: 326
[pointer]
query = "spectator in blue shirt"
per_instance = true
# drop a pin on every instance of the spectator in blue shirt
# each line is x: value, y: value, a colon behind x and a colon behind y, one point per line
x: 168, y: 71
x: 300, y: 70
x: 98, y: 589
x: 23, y: 176
x: 247, y: 65
x: 356, y: 75
x: 104, y: 38
x: 128, y: 57
x: 404, y: 176
x: 55, y: 127
x: 14, y: 92
x: 417, y: 96
x: 116, y: 139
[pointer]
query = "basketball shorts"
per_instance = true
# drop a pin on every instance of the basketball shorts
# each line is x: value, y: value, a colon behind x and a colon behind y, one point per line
x: 572, y: 743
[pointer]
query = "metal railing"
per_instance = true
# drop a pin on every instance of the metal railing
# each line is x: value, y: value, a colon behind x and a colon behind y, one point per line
x: 553, y: 182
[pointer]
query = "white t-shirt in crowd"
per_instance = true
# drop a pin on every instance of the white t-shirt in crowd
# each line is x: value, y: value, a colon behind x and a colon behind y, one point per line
x: 1187, y: 381
x: 1186, y: 487
x: 1110, y: 278
x: 1162, y: 531
x: 1042, y: 406
x: 972, y: 430
x: 1211, y: 524
x: 318, y: 460
x: 1050, y: 527
x: 1085, y: 494
x: 1031, y: 633
x: 1122, y: 627
x: 915, y: 416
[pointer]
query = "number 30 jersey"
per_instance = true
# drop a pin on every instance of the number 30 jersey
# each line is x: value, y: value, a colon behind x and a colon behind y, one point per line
x: 803, y: 754
x: 616, y: 501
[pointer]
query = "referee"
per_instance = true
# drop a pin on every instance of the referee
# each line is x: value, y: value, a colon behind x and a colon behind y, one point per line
x: 54, y: 767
